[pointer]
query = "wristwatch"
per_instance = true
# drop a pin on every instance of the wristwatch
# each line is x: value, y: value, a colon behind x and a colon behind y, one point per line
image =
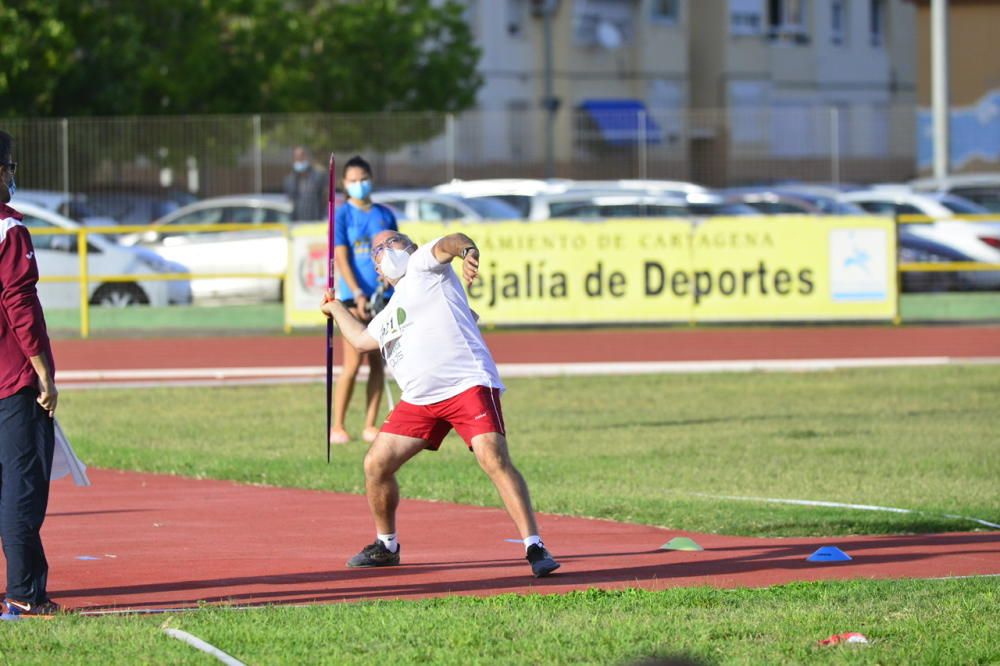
x: 467, y: 250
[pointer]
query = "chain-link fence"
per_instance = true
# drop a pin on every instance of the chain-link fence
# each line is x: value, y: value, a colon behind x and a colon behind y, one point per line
x: 180, y: 158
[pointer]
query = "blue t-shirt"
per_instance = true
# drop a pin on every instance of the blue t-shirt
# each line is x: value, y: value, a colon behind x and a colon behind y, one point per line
x: 355, y: 228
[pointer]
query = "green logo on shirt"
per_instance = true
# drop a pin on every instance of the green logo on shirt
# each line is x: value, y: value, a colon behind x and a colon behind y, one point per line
x: 400, y: 316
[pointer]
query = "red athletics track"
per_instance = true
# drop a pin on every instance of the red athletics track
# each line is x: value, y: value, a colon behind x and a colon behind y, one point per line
x: 558, y: 347
x: 139, y: 541
x: 147, y: 542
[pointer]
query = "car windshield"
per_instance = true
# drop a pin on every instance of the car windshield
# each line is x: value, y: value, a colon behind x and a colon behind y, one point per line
x: 721, y: 209
x: 961, y: 206
x: 987, y: 197
x: 520, y: 202
x: 492, y: 208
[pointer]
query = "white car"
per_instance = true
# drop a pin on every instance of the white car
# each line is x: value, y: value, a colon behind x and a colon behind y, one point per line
x: 223, y: 252
x: 517, y: 192
x: 426, y: 206
x: 584, y: 205
x: 977, y: 240
x: 58, y: 255
x: 980, y: 188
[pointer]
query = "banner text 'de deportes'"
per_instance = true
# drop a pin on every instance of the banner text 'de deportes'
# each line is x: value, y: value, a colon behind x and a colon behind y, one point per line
x: 658, y: 270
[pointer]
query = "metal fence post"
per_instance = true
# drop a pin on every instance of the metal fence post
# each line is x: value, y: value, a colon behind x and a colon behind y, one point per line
x: 835, y: 145
x: 81, y: 246
x: 258, y: 158
x: 64, y: 138
x: 641, y: 118
x: 450, y: 140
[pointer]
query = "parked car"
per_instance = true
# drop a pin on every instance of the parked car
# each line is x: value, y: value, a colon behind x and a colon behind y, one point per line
x: 73, y: 206
x: 430, y: 206
x: 823, y: 200
x: 585, y: 204
x: 222, y: 252
x: 914, y: 248
x: 647, y: 186
x: 980, y: 188
x: 977, y: 240
x: 772, y: 203
x: 58, y: 255
x: 517, y: 192
x: 608, y: 204
x: 137, y: 203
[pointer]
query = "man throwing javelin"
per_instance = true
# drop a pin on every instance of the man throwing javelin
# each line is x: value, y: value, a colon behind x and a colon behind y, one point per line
x: 428, y: 336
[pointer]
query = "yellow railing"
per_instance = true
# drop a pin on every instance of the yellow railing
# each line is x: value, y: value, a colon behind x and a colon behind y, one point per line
x: 85, y: 277
x: 946, y: 267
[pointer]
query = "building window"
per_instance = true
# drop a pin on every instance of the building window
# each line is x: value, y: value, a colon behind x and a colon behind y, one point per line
x: 665, y: 11
x: 604, y: 23
x: 787, y: 20
x: 746, y: 17
x: 877, y: 21
x: 516, y: 14
x: 838, y: 22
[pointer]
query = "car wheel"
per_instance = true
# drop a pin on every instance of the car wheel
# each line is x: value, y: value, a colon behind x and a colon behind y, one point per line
x: 119, y: 295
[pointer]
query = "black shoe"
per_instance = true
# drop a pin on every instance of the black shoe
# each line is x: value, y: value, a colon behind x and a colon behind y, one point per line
x: 542, y: 563
x: 375, y: 555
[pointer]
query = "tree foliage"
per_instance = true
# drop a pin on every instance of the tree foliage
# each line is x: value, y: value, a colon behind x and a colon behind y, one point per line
x: 107, y: 57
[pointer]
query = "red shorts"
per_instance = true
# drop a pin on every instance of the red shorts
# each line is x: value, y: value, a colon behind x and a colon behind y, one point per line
x: 472, y: 412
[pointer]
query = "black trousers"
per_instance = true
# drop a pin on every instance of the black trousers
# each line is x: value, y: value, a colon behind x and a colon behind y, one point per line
x: 27, y: 438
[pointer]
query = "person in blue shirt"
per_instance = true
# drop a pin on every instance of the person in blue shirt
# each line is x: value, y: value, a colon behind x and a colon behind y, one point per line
x: 356, y: 223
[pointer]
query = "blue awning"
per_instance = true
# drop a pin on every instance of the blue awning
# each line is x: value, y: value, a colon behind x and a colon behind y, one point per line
x: 618, y: 120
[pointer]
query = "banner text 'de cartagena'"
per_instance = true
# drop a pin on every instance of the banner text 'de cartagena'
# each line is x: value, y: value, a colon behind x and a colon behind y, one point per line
x: 663, y: 270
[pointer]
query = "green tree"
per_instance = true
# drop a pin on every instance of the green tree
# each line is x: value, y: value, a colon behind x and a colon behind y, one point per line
x: 34, y: 48
x: 102, y: 57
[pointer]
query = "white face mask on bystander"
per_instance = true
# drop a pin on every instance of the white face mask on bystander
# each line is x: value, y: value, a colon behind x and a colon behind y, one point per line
x: 394, y: 263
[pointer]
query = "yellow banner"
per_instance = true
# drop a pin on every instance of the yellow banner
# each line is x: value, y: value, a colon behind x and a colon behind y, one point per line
x: 663, y: 270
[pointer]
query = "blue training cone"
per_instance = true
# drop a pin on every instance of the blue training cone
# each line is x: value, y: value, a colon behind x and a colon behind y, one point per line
x: 829, y: 554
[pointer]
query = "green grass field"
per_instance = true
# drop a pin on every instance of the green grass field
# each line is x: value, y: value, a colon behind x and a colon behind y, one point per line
x: 650, y: 449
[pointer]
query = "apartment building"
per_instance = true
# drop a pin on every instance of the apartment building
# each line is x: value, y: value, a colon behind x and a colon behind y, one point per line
x: 727, y: 89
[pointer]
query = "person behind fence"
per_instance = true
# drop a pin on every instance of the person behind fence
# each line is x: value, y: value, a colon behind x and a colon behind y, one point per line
x: 28, y: 398
x: 428, y: 335
x: 305, y: 187
x: 356, y: 223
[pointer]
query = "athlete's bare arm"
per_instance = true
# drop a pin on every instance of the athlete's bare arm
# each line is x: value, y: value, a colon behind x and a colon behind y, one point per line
x: 355, y: 332
x: 459, y: 245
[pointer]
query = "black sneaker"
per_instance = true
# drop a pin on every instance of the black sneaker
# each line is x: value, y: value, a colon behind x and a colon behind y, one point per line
x: 542, y: 563
x: 375, y: 555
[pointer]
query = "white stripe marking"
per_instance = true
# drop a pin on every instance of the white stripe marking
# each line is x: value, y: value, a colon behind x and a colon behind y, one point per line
x: 199, y: 644
x: 839, y: 505
x: 532, y: 369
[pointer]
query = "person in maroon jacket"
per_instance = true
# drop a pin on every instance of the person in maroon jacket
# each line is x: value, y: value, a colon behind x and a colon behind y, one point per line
x: 28, y: 399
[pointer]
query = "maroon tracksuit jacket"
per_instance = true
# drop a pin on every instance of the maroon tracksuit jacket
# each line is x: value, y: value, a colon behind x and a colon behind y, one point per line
x: 22, y: 325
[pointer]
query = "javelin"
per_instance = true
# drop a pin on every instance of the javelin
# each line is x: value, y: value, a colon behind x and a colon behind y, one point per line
x: 330, y: 206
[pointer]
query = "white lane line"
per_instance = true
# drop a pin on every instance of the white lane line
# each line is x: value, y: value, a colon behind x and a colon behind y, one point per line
x: 839, y: 505
x: 199, y: 644
x: 525, y: 369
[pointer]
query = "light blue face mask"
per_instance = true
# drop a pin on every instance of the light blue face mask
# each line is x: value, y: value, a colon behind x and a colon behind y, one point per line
x: 360, y: 189
x: 301, y: 166
x: 11, y: 186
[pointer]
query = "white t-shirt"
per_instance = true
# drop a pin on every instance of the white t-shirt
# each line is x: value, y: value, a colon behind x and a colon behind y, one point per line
x: 428, y: 335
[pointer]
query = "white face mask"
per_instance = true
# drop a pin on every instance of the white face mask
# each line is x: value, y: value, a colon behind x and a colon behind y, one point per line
x: 394, y: 263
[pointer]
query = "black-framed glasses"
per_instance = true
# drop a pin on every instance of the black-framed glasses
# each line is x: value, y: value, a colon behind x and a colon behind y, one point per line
x: 11, y: 166
x: 378, y: 249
